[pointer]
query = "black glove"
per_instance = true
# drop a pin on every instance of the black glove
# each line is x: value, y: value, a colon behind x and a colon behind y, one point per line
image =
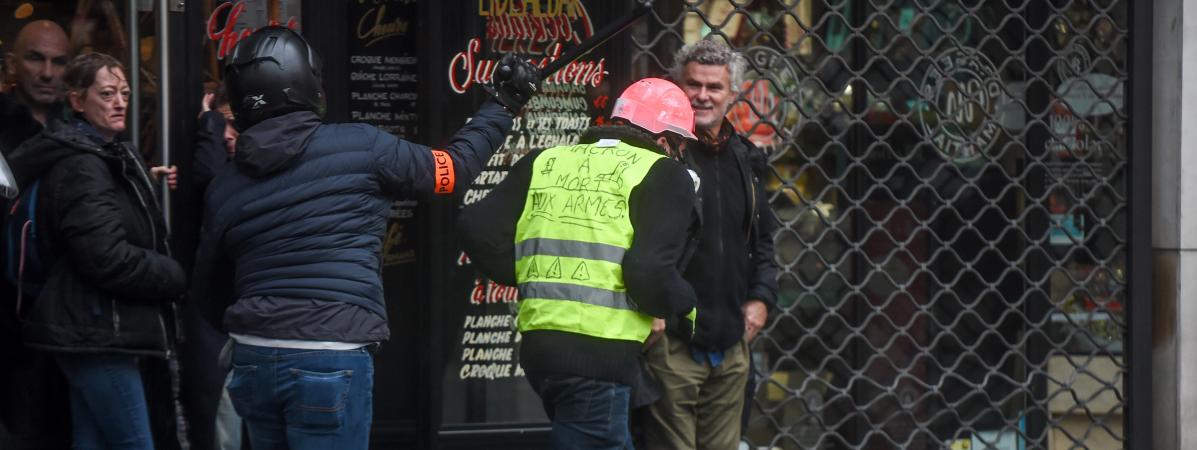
x: 515, y: 82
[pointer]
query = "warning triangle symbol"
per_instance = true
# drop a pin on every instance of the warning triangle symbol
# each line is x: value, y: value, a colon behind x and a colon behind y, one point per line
x: 554, y: 269
x: 581, y: 273
x: 532, y: 272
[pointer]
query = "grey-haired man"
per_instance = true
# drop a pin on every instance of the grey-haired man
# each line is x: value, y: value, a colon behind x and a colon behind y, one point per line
x: 732, y: 270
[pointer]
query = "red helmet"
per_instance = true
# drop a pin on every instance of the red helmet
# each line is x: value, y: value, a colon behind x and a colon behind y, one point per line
x: 656, y: 105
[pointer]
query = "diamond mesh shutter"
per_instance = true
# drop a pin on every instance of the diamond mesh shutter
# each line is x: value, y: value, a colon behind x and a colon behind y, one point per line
x: 950, y: 178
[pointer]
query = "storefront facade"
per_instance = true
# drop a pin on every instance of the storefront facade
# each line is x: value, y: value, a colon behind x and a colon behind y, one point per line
x: 959, y: 186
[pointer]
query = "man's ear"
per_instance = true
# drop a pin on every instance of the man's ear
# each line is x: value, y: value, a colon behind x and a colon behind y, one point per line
x: 664, y: 143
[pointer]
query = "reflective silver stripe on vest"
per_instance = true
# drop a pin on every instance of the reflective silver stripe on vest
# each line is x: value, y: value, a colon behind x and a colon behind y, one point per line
x: 572, y: 249
x: 584, y: 294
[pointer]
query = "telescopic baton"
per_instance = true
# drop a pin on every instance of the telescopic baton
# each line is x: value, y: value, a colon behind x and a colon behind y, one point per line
x: 641, y: 9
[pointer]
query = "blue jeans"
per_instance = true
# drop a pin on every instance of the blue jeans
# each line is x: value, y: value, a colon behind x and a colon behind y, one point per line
x: 108, y: 408
x: 586, y: 413
x: 303, y: 399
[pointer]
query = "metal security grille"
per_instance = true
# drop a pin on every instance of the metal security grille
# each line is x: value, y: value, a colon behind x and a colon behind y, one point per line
x: 950, y: 180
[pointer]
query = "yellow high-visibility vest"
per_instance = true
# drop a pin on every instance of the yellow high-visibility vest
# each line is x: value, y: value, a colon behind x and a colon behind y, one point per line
x: 571, y: 239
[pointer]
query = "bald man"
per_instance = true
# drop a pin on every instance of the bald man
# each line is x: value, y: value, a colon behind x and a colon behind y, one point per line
x: 32, y: 403
x: 39, y: 56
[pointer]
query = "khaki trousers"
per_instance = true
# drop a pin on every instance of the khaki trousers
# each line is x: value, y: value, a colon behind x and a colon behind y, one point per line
x: 700, y: 406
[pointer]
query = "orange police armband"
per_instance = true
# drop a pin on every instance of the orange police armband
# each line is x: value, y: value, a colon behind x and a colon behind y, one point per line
x: 443, y: 175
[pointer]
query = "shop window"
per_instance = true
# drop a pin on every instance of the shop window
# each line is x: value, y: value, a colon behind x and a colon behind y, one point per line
x: 950, y: 178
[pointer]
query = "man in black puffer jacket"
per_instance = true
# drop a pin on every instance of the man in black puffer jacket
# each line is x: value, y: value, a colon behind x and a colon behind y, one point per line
x: 292, y: 237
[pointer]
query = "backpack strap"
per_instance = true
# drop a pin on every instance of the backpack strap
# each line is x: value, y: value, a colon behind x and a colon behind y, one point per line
x: 26, y: 243
x: 21, y: 265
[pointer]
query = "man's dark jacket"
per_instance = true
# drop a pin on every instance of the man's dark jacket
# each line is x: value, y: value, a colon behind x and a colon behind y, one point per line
x: 111, y: 283
x: 17, y: 124
x: 294, y: 234
x: 661, y: 211
x: 210, y: 154
x: 733, y: 262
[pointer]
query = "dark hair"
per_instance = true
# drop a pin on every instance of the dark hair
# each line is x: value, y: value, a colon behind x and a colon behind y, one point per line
x: 81, y: 72
x: 221, y: 98
x: 632, y: 134
x: 674, y: 139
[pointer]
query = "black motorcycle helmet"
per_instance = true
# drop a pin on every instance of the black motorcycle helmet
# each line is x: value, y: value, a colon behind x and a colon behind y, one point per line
x: 270, y: 73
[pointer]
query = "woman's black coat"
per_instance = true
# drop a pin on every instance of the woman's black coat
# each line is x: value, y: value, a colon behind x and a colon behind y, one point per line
x: 112, y: 284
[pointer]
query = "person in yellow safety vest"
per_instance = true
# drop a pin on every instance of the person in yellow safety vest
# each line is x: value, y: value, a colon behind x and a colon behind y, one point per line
x: 593, y: 235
